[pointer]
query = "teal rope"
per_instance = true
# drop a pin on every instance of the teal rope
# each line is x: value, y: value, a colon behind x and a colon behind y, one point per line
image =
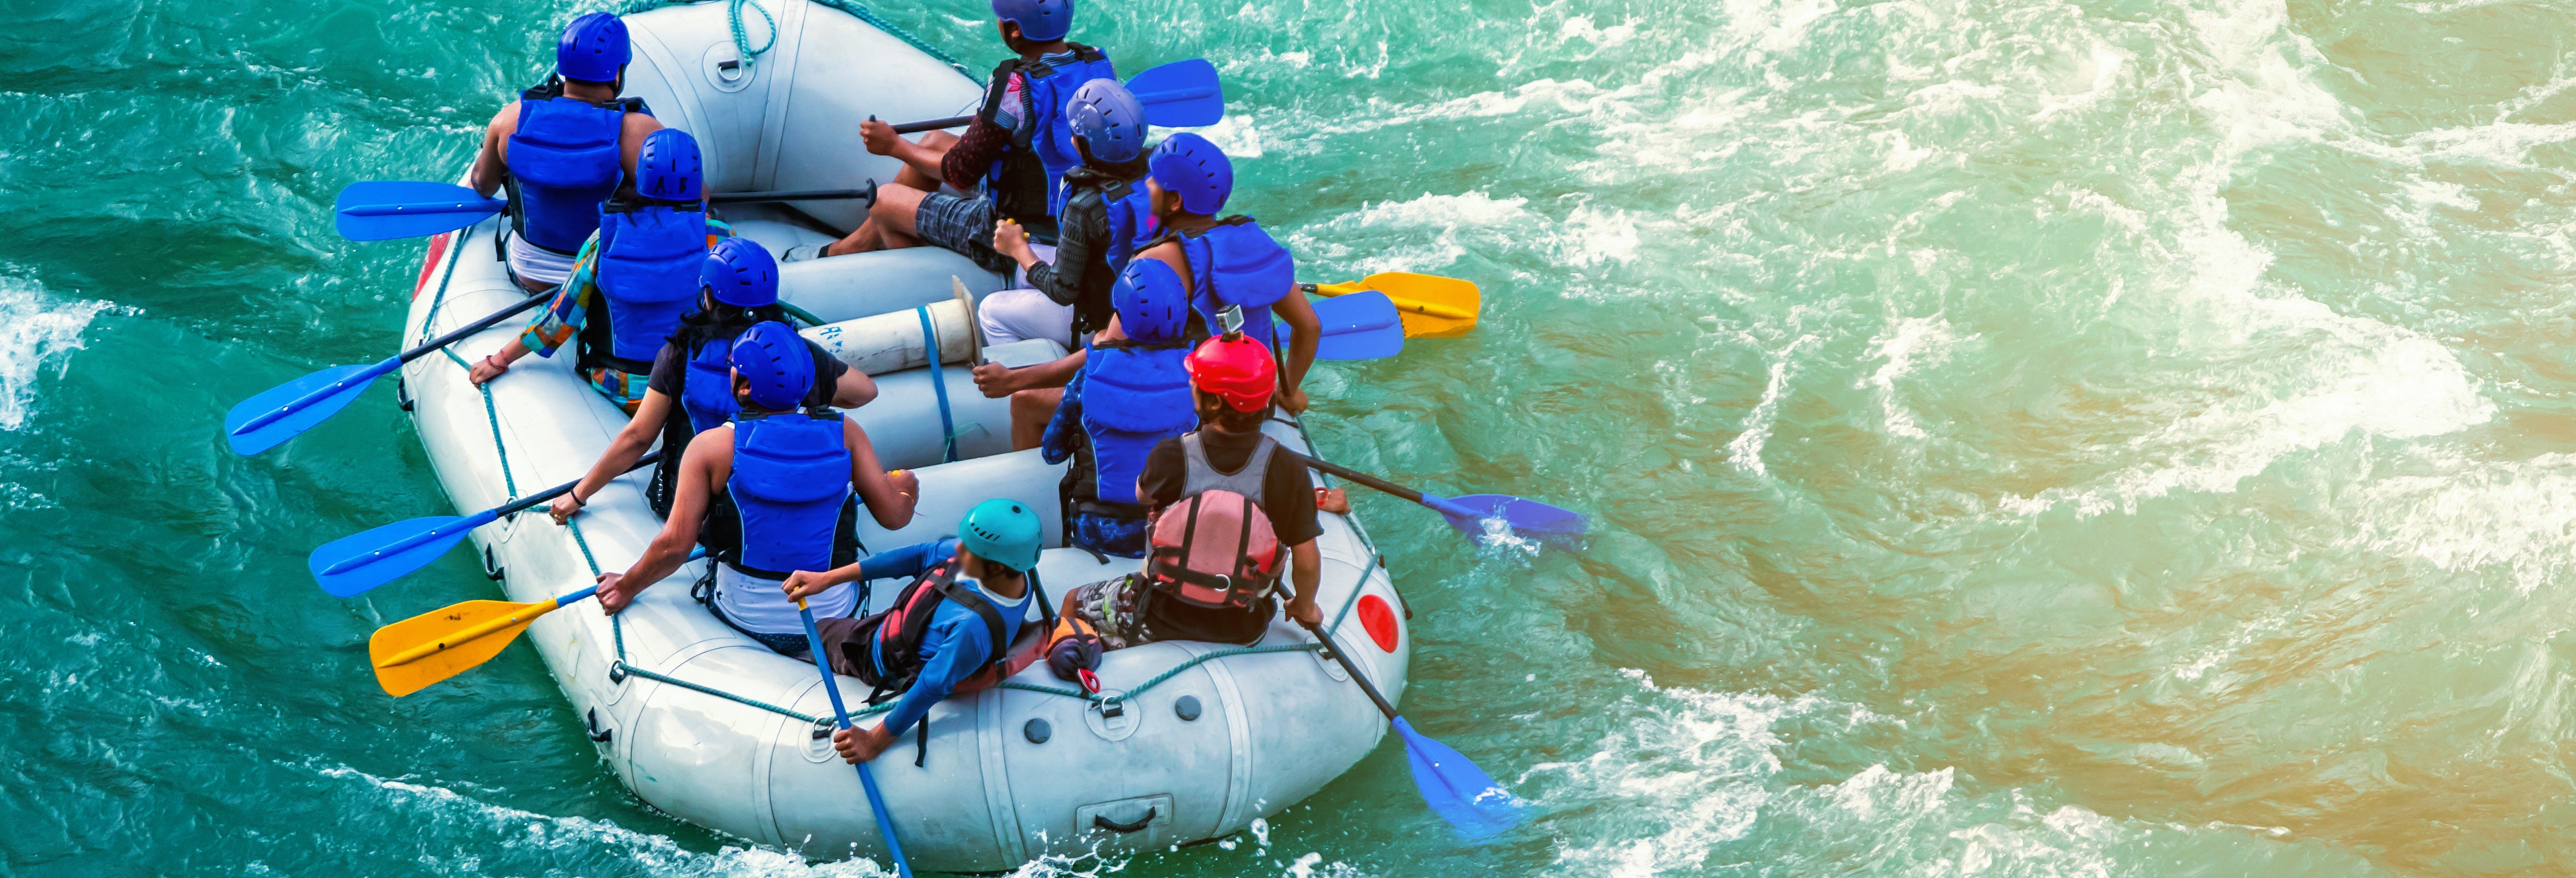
x: 742, y: 41
x: 492, y: 414
x: 455, y: 254
x: 863, y: 14
x: 1158, y: 679
x: 719, y: 693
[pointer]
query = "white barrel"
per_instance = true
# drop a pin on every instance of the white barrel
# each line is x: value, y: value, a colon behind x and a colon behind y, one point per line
x: 897, y: 341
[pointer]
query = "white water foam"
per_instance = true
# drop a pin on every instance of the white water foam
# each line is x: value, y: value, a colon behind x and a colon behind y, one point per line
x: 37, y: 331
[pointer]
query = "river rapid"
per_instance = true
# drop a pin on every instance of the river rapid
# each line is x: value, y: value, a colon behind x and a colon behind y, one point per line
x: 2027, y: 438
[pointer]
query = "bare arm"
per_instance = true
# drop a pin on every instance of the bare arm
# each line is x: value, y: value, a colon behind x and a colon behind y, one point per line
x: 631, y: 139
x: 708, y: 461
x: 622, y: 452
x: 889, y: 496
x: 854, y: 389
x: 1306, y: 567
x: 489, y: 168
x: 1305, y: 330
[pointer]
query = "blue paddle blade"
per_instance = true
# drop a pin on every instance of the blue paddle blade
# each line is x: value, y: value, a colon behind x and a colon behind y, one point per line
x: 380, y: 210
x: 1182, y: 94
x: 350, y: 565
x: 1478, y: 515
x: 1456, y: 789
x: 247, y: 442
x: 1360, y: 326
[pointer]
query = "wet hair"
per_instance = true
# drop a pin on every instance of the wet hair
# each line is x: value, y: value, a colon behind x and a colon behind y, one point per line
x: 1132, y: 169
x: 717, y: 321
x: 1214, y: 410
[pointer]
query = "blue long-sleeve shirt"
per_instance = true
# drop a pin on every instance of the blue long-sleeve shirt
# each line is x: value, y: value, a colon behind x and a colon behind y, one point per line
x: 955, y: 645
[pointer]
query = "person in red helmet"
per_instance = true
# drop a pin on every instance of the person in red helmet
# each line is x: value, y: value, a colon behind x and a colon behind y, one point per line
x: 1232, y: 382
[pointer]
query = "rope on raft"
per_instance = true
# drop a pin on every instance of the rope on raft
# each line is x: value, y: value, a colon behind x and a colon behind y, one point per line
x: 742, y: 39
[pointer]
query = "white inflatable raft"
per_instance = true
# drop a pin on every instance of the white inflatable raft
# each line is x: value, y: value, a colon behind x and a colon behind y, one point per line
x: 1195, y: 741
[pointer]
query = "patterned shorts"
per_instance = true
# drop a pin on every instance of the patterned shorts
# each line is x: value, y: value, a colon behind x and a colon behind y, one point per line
x: 964, y: 225
x: 1116, y: 609
x: 626, y: 390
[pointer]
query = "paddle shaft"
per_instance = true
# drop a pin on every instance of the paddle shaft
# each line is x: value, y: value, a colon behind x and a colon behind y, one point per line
x: 1357, y: 476
x: 841, y: 718
x: 514, y: 507
x: 1336, y: 650
x: 389, y: 364
x: 510, y: 621
x: 932, y: 125
x: 475, y: 327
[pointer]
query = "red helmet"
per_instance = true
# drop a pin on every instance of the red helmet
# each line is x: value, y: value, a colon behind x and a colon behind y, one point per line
x: 1234, y: 367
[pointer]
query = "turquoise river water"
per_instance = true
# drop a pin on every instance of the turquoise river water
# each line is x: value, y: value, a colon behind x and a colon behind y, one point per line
x: 2024, y: 438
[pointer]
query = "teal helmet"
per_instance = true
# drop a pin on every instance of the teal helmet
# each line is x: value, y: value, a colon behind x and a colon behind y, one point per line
x: 1004, y: 532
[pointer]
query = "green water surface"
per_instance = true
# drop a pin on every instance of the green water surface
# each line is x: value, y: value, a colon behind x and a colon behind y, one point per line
x: 2023, y: 438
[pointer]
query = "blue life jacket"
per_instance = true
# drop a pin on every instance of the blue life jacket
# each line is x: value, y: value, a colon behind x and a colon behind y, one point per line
x: 791, y: 478
x: 1133, y: 397
x: 1043, y: 136
x: 564, y: 160
x: 1131, y: 223
x: 648, y: 268
x: 1235, y: 263
x: 706, y: 392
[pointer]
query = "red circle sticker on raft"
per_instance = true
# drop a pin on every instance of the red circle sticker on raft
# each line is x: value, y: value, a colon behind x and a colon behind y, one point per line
x: 1379, y: 621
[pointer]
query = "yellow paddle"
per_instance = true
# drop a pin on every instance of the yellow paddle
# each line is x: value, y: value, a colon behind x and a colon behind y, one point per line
x: 412, y: 654
x: 1432, y: 306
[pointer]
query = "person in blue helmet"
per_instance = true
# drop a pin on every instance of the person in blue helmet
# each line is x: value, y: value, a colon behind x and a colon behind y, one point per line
x: 687, y: 392
x: 564, y: 147
x: 1228, y: 264
x: 633, y: 281
x: 1131, y: 394
x: 1010, y: 158
x: 1105, y: 218
x: 771, y: 492
x: 949, y: 631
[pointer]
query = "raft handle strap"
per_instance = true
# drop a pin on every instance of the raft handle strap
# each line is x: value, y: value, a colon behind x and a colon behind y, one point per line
x: 939, y: 384
x: 1103, y: 821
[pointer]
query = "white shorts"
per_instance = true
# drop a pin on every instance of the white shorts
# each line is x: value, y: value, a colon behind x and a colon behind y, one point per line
x: 538, y: 265
x: 1013, y: 315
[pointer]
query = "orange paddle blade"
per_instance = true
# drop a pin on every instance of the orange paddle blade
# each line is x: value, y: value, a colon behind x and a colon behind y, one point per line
x: 412, y: 654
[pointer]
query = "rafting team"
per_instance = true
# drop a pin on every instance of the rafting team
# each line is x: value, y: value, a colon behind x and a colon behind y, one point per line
x: 678, y: 322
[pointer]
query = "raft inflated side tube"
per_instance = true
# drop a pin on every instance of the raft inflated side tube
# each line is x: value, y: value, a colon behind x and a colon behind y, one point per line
x: 904, y: 424
x: 893, y: 342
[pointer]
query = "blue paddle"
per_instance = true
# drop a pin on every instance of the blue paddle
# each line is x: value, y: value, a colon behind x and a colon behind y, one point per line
x: 284, y: 412
x: 1560, y: 527
x: 351, y: 565
x: 1358, y: 326
x: 841, y: 719
x: 381, y: 210
x: 1461, y: 793
x: 1182, y: 94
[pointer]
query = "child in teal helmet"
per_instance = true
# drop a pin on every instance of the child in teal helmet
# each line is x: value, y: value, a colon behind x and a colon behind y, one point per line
x: 970, y: 597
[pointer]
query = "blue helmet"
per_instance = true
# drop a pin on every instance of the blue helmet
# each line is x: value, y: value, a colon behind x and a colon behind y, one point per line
x: 1003, y: 532
x: 1109, y: 119
x: 1152, y: 305
x: 1042, y: 20
x: 667, y: 167
x: 738, y: 272
x: 777, y: 364
x: 1188, y: 164
x: 593, y: 48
